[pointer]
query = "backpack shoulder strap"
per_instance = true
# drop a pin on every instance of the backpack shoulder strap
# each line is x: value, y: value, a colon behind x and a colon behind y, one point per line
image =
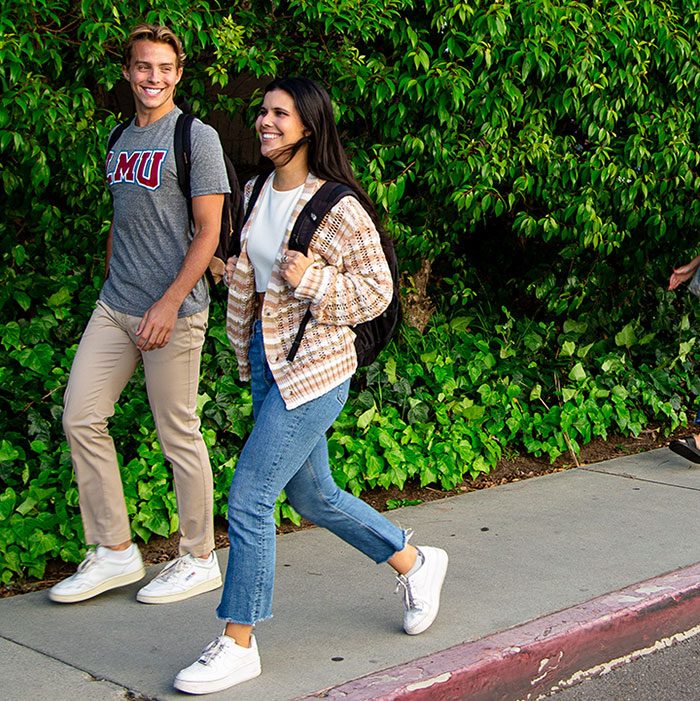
x: 257, y: 189
x: 323, y: 200
x: 182, y: 141
x: 116, y: 133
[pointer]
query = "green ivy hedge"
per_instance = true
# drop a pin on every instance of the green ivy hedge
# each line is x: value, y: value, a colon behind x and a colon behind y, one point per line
x: 541, y: 158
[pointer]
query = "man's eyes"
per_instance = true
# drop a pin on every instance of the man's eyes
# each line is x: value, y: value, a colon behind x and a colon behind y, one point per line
x: 146, y: 67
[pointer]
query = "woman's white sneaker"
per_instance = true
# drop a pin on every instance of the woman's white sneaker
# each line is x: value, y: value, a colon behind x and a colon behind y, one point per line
x: 422, y: 590
x: 182, y: 578
x: 101, y: 570
x: 221, y: 665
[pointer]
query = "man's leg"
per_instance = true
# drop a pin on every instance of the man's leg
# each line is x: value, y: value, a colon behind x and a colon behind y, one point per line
x: 172, y: 380
x: 105, y: 360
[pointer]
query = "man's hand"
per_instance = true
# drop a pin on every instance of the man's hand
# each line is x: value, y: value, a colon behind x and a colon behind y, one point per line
x: 157, y: 325
x: 230, y: 267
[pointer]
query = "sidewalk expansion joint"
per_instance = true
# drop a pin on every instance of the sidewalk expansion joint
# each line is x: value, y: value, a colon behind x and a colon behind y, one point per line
x: 626, y: 475
x: 128, y: 693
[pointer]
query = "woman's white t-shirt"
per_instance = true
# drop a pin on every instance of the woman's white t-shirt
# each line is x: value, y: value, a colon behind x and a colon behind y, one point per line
x: 268, y: 228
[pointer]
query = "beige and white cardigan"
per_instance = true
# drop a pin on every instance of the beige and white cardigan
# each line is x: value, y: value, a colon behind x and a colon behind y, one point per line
x: 348, y: 283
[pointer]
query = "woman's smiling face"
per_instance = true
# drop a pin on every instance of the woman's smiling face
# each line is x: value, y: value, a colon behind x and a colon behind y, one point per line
x: 279, y: 126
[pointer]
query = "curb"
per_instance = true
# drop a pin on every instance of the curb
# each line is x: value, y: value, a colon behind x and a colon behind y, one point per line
x: 554, y: 651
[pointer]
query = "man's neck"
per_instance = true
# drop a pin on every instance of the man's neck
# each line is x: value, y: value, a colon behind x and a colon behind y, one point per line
x: 145, y: 118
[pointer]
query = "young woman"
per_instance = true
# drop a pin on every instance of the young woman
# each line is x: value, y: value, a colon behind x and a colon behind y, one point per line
x: 344, y: 280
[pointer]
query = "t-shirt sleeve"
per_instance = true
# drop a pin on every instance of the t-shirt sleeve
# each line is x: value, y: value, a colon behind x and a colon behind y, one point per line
x: 208, y: 174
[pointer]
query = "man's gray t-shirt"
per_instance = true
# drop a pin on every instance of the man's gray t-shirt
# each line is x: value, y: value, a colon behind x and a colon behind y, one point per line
x: 151, y: 230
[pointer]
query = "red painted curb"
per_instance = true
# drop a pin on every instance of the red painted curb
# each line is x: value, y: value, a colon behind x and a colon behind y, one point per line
x: 528, y: 660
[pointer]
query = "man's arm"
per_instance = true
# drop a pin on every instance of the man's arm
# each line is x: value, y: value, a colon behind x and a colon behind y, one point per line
x: 158, y: 322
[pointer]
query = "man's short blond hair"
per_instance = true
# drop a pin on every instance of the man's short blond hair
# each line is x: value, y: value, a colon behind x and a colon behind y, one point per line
x: 157, y: 33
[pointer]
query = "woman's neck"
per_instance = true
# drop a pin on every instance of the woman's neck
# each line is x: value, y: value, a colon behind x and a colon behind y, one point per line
x: 290, y: 175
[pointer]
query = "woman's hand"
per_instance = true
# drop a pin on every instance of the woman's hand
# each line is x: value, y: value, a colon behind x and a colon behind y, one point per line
x: 294, y: 265
x: 230, y: 267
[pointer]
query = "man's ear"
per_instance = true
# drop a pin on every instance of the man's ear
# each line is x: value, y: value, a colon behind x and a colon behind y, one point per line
x: 179, y: 75
x: 125, y: 73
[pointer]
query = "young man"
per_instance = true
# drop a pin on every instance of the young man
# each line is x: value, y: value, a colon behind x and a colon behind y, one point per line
x: 152, y: 309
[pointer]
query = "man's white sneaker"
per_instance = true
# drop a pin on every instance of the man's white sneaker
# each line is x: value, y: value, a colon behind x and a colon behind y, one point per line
x: 421, y: 590
x: 180, y: 579
x: 222, y: 664
x: 100, y: 571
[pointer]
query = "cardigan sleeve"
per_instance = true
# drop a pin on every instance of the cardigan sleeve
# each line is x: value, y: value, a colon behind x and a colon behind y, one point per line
x: 349, y: 281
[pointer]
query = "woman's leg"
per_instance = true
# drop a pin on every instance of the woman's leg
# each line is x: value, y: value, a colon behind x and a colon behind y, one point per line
x: 314, y: 494
x: 277, y: 447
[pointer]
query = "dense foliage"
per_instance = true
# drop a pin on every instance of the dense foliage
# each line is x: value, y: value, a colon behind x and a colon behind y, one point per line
x: 539, y: 157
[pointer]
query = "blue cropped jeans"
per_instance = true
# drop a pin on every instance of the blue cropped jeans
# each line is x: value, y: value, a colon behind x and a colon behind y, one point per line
x: 287, y: 450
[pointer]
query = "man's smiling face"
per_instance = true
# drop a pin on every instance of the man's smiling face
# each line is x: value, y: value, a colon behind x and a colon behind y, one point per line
x: 153, y: 75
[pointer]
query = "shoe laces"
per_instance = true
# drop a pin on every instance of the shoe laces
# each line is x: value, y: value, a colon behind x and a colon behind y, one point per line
x: 172, y: 569
x: 212, y: 650
x: 405, y: 583
x: 90, y: 559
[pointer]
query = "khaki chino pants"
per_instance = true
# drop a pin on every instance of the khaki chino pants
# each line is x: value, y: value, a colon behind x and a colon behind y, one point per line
x: 106, y: 358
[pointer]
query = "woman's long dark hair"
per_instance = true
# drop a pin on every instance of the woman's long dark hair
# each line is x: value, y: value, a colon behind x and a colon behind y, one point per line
x: 326, y: 156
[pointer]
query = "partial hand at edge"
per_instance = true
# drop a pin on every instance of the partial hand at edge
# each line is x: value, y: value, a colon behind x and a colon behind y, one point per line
x: 681, y: 275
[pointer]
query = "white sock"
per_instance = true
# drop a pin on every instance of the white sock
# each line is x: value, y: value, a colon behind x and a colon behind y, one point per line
x: 209, y: 560
x: 420, y: 559
x: 117, y: 555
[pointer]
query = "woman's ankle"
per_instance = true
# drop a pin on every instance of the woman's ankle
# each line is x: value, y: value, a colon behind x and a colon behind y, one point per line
x: 239, y: 633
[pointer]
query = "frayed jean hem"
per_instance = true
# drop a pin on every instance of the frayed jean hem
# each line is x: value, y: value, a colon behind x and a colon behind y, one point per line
x: 228, y: 619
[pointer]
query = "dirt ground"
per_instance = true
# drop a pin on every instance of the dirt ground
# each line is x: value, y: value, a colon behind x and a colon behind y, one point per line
x: 159, y: 549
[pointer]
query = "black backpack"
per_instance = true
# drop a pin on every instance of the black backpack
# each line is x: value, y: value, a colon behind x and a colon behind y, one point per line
x: 373, y: 336
x: 232, y: 212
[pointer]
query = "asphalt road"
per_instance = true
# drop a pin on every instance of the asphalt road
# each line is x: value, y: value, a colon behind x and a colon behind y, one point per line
x: 672, y: 674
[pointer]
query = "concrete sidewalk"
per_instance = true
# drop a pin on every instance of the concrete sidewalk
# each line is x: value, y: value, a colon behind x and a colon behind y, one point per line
x: 543, y: 584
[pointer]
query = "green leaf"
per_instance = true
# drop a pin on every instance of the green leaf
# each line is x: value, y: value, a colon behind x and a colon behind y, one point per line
x: 10, y: 334
x: 568, y: 393
x: 26, y: 506
x: 568, y: 348
x: 8, y: 452
x: 626, y: 337
x: 366, y: 418
x: 577, y: 373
